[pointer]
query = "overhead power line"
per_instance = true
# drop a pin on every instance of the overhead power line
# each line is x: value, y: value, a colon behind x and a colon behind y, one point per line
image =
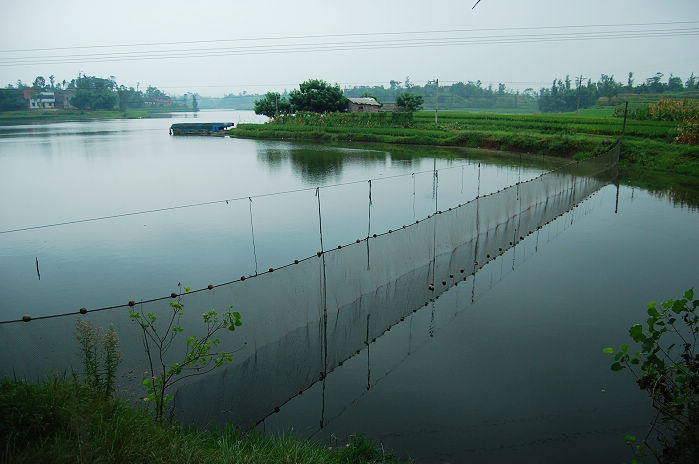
x: 165, y: 55
x: 392, y: 43
x: 352, y: 44
x: 353, y: 34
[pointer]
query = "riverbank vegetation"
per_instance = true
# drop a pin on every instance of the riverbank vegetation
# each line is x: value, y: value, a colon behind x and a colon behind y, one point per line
x: 8, y: 118
x: 88, y: 93
x: 62, y: 421
x: 648, y: 144
x: 671, y: 378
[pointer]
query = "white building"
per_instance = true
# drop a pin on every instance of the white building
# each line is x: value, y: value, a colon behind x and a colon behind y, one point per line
x: 43, y: 100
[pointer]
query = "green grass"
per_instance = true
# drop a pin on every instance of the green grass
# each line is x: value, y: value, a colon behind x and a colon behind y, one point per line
x: 648, y: 144
x: 60, y: 421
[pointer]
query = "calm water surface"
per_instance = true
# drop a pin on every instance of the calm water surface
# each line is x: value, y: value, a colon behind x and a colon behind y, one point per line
x: 65, y: 172
x: 505, y: 367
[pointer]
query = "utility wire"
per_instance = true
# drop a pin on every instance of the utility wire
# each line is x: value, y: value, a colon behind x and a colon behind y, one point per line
x: 355, y: 34
x: 428, y: 40
x: 343, y: 46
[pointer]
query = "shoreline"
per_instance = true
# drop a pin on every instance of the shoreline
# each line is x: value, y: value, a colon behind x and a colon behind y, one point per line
x: 647, y: 145
x: 15, y: 118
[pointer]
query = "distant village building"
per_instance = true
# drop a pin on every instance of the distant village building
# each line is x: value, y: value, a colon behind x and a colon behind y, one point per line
x: 63, y: 99
x: 370, y: 105
x: 158, y: 101
x: 363, y: 105
x: 40, y: 100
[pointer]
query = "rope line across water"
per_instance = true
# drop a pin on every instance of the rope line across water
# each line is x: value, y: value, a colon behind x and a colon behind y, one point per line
x: 28, y: 318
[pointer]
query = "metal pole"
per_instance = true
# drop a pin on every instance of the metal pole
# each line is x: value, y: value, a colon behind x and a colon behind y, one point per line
x: 436, y: 102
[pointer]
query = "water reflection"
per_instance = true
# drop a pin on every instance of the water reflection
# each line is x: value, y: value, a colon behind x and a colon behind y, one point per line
x: 680, y: 190
x: 316, y: 165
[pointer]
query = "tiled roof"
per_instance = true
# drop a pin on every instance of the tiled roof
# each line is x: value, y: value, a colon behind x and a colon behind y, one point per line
x: 364, y: 101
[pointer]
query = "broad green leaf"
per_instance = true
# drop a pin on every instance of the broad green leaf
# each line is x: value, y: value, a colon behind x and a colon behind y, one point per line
x: 608, y: 350
x: 636, y: 332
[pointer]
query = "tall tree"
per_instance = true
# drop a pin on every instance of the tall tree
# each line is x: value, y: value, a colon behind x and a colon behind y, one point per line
x: 318, y: 96
x: 272, y: 104
x: 410, y: 101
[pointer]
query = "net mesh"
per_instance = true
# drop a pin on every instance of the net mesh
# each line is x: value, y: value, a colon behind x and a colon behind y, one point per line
x: 302, y: 320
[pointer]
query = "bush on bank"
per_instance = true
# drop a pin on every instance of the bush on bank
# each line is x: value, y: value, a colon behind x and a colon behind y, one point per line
x: 62, y: 421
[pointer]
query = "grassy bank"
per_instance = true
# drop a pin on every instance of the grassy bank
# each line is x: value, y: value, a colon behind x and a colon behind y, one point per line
x: 8, y: 118
x: 648, y: 144
x: 60, y: 421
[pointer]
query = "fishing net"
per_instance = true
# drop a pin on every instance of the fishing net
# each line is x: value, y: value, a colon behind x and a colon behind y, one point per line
x: 303, y: 319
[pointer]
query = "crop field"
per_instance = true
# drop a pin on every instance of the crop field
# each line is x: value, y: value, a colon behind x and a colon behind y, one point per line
x: 648, y: 144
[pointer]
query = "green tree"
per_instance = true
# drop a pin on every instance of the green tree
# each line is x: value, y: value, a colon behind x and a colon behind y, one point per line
x: 674, y: 84
x: 202, y: 353
x: 654, y: 83
x: 39, y: 83
x: 395, y: 84
x: 130, y: 98
x: 272, y: 104
x: 410, y: 101
x: 318, y: 96
x: 11, y: 99
x: 666, y: 365
x: 154, y: 92
x: 93, y: 93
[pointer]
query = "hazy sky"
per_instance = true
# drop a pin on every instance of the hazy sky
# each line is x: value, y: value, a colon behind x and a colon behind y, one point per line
x: 273, y: 60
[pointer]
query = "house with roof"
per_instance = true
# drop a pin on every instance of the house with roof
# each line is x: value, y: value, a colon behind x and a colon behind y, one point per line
x: 63, y: 99
x: 158, y: 101
x: 363, y: 105
x: 39, y: 100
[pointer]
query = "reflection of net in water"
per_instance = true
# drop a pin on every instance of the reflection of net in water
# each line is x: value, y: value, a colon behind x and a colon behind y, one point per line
x: 303, y: 319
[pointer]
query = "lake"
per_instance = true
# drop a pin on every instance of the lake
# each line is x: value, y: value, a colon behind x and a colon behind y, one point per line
x: 508, y: 365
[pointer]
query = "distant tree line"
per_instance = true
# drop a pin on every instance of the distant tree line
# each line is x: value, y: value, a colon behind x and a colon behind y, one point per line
x: 566, y: 96
x: 92, y: 93
x: 458, y: 95
x: 317, y: 96
x: 313, y: 95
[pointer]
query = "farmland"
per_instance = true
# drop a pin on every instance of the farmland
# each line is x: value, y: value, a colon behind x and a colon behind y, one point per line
x: 648, y: 144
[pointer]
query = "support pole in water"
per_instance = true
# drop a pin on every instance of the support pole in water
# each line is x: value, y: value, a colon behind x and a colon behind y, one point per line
x: 478, y: 193
x: 37, y: 268
x: 368, y: 233
x: 252, y: 231
x: 436, y: 191
x: 325, y: 292
x: 616, y: 203
x: 368, y: 355
x: 413, y: 195
x: 626, y: 112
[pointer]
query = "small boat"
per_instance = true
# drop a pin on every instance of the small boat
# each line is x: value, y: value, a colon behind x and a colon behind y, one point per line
x: 200, y: 128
